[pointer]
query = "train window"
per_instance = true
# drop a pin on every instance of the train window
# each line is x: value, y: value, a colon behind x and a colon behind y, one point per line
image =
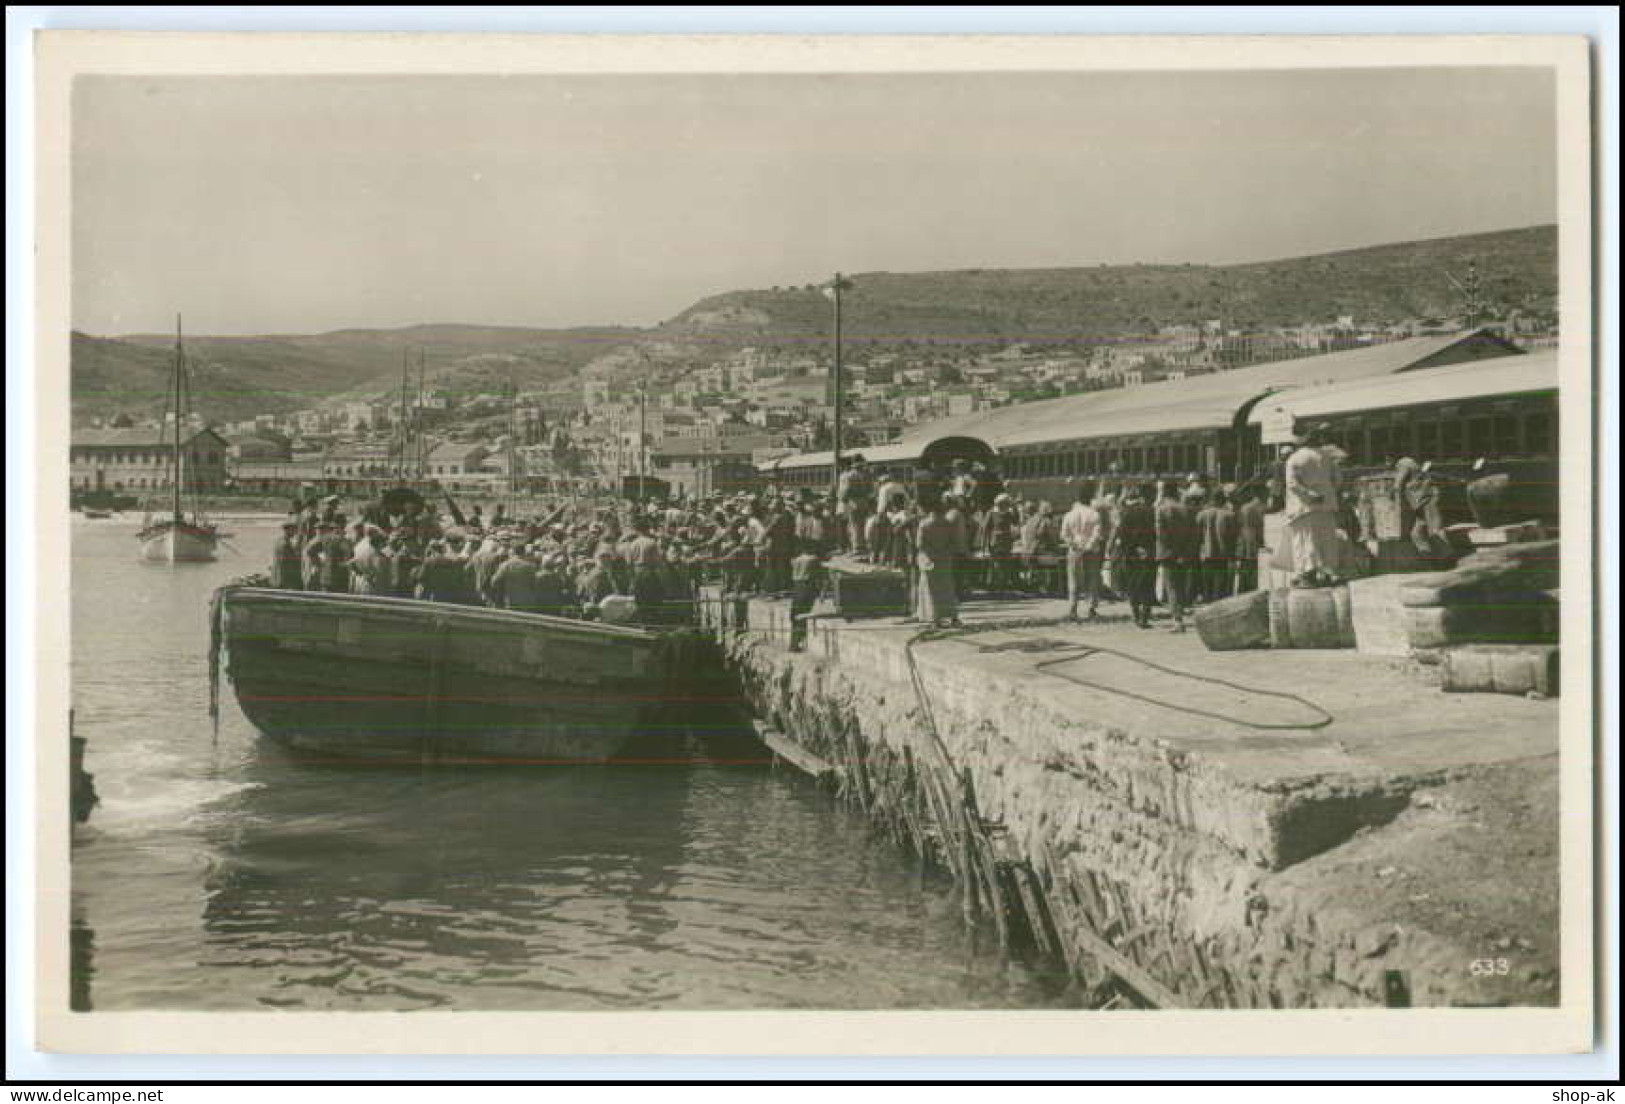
x: 1506, y: 435
x: 1377, y: 446
x: 1479, y: 441
x: 1537, y: 433
x: 1427, y: 440
x: 1451, y: 438
x: 1401, y: 439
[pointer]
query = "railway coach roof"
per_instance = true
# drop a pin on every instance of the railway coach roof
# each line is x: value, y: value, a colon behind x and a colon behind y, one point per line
x: 1207, y: 402
x: 1505, y: 376
x: 873, y: 454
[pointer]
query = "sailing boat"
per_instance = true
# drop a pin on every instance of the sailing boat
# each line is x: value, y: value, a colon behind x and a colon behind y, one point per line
x: 181, y: 537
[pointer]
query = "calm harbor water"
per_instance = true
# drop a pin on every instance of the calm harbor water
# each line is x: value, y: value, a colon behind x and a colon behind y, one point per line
x: 219, y: 873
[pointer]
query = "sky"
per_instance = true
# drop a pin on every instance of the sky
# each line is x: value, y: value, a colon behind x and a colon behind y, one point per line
x: 305, y: 204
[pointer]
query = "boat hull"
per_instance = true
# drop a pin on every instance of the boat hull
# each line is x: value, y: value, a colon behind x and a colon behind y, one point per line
x: 366, y: 678
x: 179, y: 546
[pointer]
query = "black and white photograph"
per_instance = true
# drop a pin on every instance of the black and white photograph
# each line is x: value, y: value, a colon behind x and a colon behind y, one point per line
x: 1108, y: 535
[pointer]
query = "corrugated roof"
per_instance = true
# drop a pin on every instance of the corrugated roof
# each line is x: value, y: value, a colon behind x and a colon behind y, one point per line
x: 1503, y: 376
x: 873, y: 454
x: 132, y: 437
x: 278, y: 469
x: 456, y: 451
x: 1205, y: 402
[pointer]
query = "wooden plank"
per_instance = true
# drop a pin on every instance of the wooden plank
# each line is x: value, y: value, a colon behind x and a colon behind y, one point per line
x: 796, y: 755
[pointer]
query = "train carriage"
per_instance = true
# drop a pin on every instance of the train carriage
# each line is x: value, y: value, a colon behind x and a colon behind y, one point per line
x: 1205, y: 425
x: 1498, y: 417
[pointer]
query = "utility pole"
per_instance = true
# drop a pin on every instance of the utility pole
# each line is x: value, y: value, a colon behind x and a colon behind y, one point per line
x: 643, y: 436
x: 421, y: 458
x: 406, y: 372
x: 834, y: 290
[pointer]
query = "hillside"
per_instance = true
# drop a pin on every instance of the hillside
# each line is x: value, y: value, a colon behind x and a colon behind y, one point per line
x: 1516, y: 268
x: 973, y: 310
x: 237, y: 377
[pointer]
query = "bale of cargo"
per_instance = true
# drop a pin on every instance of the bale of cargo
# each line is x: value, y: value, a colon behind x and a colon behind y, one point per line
x: 1311, y: 617
x: 1379, y: 619
x: 1480, y: 585
x: 1534, y: 622
x: 1538, y: 562
x: 1235, y: 623
x: 1488, y: 499
x: 867, y: 590
x: 1502, y: 669
x: 1523, y: 532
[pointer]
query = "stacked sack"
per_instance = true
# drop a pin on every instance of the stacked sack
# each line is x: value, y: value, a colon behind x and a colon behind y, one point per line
x: 1494, y: 618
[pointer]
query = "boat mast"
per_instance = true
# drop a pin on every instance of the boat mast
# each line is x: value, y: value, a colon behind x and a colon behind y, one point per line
x: 180, y: 413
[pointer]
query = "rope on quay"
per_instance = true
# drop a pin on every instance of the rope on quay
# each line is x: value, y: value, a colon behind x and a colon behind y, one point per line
x: 1084, y: 651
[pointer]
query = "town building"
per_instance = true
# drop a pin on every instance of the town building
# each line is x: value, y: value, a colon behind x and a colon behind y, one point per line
x: 139, y: 459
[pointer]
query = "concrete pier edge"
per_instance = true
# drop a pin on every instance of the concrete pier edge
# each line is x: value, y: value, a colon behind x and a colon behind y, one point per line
x: 1171, y: 859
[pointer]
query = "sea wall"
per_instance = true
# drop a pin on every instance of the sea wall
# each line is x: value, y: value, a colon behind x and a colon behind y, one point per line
x: 1177, y: 865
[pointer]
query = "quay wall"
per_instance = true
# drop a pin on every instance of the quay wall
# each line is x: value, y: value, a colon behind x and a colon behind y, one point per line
x: 1154, y: 870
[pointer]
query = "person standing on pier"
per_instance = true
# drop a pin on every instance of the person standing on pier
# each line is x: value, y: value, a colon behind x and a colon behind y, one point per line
x: 1217, y: 523
x: 1082, y: 534
x: 1106, y: 507
x: 1178, y: 548
x: 855, y: 492
x: 807, y: 582
x: 779, y: 546
x: 1133, y: 548
x: 999, y: 542
x: 1249, y: 538
x: 938, y: 544
x: 1311, y: 512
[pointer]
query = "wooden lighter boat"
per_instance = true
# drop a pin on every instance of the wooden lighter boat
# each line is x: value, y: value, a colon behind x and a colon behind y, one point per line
x: 366, y: 677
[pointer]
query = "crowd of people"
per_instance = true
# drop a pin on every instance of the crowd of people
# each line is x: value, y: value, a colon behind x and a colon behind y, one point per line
x: 951, y: 532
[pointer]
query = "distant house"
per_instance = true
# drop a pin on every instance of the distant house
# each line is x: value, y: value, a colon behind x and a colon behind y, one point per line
x: 456, y: 459
x: 138, y: 459
x: 696, y: 467
x: 359, y: 463
x: 278, y: 476
x: 248, y: 447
